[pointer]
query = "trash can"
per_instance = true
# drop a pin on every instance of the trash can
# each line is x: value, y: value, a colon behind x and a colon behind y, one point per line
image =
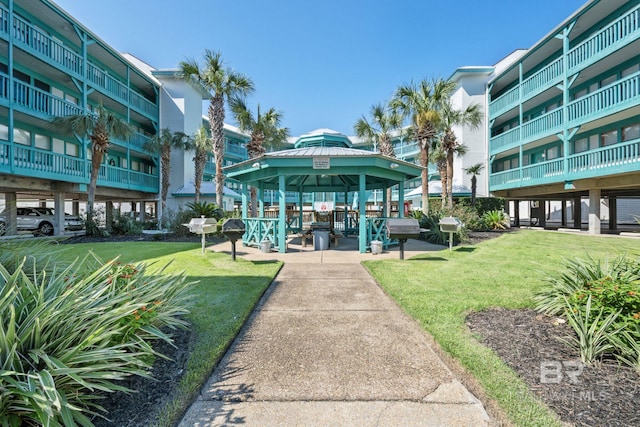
x: 376, y: 247
x: 320, y: 240
x: 265, y: 246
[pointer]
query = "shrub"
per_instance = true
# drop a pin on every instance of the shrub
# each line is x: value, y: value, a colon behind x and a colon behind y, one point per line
x: 496, y: 220
x: 612, y: 291
x: 175, y: 222
x: 66, y: 334
x: 208, y: 210
x: 125, y: 225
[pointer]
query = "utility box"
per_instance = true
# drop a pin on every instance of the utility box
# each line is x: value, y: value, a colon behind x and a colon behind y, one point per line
x: 451, y: 225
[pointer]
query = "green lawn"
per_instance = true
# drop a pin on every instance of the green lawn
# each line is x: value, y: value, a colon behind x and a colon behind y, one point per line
x: 440, y: 288
x: 225, y: 294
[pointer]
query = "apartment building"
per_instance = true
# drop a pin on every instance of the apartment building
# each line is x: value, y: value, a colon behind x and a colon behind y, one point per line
x: 564, y: 119
x: 51, y: 65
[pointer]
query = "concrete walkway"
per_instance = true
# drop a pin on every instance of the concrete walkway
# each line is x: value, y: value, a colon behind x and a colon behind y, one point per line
x: 326, y: 346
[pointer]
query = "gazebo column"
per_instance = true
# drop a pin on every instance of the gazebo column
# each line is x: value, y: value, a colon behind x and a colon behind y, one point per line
x: 385, y: 208
x: 282, y: 215
x: 245, y: 200
x: 261, y: 200
x: 401, y: 199
x: 346, y: 213
x: 300, y: 206
x: 362, y: 207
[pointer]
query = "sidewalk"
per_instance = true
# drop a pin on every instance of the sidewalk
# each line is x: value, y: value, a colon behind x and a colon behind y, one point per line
x: 326, y: 346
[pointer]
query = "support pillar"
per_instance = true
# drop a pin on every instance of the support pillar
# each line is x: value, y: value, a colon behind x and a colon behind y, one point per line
x: 386, y: 203
x: 245, y: 196
x: 108, y: 212
x: 577, y: 213
x: 401, y: 199
x: 563, y: 205
x: 11, y: 221
x: 613, y: 213
x: 516, y: 213
x: 58, y: 211
x: 542, y: 218
x: 594, y: 211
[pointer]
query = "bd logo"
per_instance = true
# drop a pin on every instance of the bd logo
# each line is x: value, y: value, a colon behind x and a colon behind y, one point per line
x: 554, y: 371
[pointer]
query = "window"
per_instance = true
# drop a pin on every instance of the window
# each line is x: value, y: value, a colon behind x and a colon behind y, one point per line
x: 123, y: 163
x: 594, y: 142
x: 72, y: 149
x: 580, y: 145
x: 609, y: 138
x: 631, y: 132
x: 630, y: 70
x: 21, y: 136
x: 580, y: 94
x: 58, y: 146
x: 135, y: 166
x: 43, y: 142
x: 553, y: 153
x: 607, y: 81
x: 4, y: 132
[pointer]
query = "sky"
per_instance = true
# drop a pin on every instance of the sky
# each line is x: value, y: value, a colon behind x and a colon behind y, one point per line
x: 323, y: 63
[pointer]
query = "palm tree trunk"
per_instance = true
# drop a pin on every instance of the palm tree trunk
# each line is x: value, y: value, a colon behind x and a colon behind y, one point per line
x: 450, y: 178
x: 96, y: 162
x: 473, y: 190
x: 216, y: 120
x: 424, y: 162
x: 165, y: 164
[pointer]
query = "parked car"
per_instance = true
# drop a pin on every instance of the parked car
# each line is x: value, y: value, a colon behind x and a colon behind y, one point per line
x: 40, y: 221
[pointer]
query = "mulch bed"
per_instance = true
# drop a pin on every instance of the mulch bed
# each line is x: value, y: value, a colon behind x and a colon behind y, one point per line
x: 604, y: 394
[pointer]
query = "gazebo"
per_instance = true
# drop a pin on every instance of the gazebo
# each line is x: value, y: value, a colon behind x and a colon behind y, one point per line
x: 321, y: 162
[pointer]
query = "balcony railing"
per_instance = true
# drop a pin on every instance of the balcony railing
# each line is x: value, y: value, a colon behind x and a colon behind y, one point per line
x: 113, y: 176
x: 506, y: 140
x: 546, y: 124
x: 407, y: 149
x: 618, y: 156
x: 616, y: 96
x: 619, y: 33
x: 613, y: 159
x: 504, y: 102
x: 25, y: 34
x: 36, y: 100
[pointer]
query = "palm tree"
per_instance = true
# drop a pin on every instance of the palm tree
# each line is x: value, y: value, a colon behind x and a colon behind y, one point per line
x: 474, y: 171
x: 439, y: 157
x: 99, y: 126
x: 266, y: 132
x: 472, y: 117
x: 423, y: 103
x: 202, y: 144
x: 221, y: 83
x: 162, y: 144
x: 379, y: 131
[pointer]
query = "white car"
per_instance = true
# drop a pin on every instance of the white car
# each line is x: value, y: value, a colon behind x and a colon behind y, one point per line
x: 40, y: 221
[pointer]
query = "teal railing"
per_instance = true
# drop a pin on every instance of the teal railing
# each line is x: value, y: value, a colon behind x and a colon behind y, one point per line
x: 377, y: 230
x: 505, y: 102
x: 113, y: 176
x: 506, y: 140
x: 615, y: 35
x: 618, y: 95
x: 619, y: 33
x: 616, y: 158
x: 595, y: 162
x: 259, y: 230
x: 546, y: 124
x: 25, y: 34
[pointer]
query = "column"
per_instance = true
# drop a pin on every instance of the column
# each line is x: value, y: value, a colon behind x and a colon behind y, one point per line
x: 613, y: 213
x: 516, y: 213
x: 564, y: 212
x: 58, y: 210
x: 401, y: 199
x: 594, y: 211
x: 577, y: 212
x: 362, y: 213
x: 542, y: 213
x: 282, y: 215
x: 11, y: 222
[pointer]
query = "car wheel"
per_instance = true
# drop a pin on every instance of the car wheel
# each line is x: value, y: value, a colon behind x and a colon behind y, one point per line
x: 46, y: 229
x: 3, y: 228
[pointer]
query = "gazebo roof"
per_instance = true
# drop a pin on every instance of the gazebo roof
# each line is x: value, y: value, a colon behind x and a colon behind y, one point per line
x: 323, y: 169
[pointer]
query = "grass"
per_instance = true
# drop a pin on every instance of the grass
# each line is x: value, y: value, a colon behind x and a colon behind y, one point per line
x: 440, y: 289
x: 225, y: 295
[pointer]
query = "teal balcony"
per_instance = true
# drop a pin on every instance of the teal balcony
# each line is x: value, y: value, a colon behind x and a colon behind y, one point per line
x: 34, y: 100
x: 614, y: 159
x: 43, y: 46
x: 616, y: 35
x: 618, y: 96
x: 27, y: 161
x: 407, y: 150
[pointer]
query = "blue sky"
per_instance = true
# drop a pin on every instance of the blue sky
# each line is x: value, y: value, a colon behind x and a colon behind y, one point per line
x: 324, y: 63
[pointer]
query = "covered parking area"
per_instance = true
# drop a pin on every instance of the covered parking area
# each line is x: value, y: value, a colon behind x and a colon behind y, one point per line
x: 318, y: 169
